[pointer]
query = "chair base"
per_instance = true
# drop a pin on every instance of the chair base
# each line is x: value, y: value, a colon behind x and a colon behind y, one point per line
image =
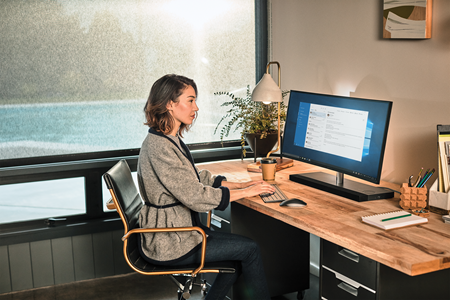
x: 184, y: 289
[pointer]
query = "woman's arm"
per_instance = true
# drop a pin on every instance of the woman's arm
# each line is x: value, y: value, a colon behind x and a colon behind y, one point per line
x: 241, y: 185
x: 239, y: 190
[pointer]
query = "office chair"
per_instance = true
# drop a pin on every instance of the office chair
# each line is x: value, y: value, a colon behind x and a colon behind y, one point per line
x: 127, y: 201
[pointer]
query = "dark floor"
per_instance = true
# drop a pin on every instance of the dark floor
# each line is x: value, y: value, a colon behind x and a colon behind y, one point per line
x: 131, y: 286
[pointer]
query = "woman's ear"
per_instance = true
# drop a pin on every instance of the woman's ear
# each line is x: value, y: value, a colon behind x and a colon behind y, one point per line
x: 169, y: 105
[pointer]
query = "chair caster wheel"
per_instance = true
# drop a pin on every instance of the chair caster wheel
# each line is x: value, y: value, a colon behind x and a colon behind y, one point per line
x: 204, y: 288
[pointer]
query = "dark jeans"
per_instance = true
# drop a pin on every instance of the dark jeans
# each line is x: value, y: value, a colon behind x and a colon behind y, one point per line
x: 225, y: 247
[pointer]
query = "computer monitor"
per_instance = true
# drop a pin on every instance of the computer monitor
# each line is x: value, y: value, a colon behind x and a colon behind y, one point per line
x: 343, y: 134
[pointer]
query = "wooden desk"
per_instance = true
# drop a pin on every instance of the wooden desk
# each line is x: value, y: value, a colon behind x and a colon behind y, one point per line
x: 413, y: 250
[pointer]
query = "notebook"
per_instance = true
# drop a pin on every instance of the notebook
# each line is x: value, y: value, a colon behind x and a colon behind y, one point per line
x: 395, y: 219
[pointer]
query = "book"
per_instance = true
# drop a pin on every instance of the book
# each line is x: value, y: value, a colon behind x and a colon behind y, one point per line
x: 444, y: 166
x: 394, y: 219
x: 447, y: 153
x: 443, y: 135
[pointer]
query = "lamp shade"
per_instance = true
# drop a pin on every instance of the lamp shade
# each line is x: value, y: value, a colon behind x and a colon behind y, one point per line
x: 267, y: 90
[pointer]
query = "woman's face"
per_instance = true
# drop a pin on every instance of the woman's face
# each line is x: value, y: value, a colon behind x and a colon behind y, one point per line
x: 183, y: 111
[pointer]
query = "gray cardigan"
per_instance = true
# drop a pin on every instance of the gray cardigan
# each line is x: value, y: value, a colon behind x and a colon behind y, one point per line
x: 174, y: 191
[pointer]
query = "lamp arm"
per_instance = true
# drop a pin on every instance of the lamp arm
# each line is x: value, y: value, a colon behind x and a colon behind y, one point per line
x: 279, y: 71
x: 279, y: 133
x: 279, y: 86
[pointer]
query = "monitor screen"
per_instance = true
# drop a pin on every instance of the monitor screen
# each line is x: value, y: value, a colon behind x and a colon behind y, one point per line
x: 344, y: 134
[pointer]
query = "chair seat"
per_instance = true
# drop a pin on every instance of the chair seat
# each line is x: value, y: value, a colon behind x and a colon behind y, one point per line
x: 136, y: 259
x: 221, y: 266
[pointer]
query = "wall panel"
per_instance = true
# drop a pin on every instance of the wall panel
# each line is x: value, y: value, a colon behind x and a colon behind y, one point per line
x: 5, y: 277
x: 83, y: 257
x: 42, y: 263
x: 63, y: 260
x: 103, y: 254
x: 20, y: 266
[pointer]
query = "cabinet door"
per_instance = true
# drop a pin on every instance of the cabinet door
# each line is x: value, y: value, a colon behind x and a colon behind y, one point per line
x: 284, y: 250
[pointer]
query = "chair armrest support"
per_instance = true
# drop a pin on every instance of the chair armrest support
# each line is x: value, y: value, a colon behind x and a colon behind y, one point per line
x: 208, y: 220
x: 175, y: 229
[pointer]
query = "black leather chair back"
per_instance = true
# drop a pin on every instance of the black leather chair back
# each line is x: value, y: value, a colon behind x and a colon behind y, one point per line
x: 119, y: 179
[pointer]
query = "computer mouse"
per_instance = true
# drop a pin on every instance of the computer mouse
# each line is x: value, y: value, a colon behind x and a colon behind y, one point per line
x: 293, y: 203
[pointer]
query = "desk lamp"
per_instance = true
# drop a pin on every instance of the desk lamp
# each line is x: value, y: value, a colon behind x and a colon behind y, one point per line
x: 267, y: 91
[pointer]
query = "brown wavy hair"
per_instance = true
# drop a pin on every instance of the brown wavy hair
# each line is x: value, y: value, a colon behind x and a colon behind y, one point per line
x: 167, y: 88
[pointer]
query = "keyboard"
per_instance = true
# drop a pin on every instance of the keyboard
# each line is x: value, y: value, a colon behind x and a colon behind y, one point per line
x: 278, y: 196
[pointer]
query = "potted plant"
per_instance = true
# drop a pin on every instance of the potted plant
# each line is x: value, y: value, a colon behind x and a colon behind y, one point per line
x: 253, y: 119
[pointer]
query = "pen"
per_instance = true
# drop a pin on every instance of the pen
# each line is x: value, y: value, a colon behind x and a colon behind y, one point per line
x: 418, y: 178
x: 398, y: 217
x: 424, y: 176
x: 426, y: 179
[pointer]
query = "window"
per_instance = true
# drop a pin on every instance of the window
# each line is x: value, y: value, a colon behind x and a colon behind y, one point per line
x: 76, y: 74
x: 43, y: 199
x: 75, y: 78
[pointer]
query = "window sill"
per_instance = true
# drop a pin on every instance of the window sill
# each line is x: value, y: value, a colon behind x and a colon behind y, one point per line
x: 32, y: 233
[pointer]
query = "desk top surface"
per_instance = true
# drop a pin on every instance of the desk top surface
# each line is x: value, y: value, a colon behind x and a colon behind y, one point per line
x: 412, y: 250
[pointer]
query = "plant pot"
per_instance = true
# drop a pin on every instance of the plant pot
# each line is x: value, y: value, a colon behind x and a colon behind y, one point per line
x: 262, y: 146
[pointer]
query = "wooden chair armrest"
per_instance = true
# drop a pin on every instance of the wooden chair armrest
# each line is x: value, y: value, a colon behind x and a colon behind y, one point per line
x: 110, y: 204
x: 174, y: 229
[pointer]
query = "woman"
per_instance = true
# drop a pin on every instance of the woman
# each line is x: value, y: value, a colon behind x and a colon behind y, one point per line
x: 175, y: 191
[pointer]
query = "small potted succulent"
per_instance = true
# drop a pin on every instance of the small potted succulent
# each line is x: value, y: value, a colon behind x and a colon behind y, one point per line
x: 253, y: 119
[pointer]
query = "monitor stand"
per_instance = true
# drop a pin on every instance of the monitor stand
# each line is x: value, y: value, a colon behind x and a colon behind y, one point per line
x: 336, y: 185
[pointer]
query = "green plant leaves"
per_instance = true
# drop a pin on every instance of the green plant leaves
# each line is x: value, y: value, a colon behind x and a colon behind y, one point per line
x: 250, y: 116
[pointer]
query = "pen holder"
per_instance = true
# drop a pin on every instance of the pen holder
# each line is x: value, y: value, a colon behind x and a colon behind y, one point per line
x: 413, y: 198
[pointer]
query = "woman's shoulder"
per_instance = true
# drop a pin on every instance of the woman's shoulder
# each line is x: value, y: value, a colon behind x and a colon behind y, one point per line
x: 159, y: 140
x: 158, y: 145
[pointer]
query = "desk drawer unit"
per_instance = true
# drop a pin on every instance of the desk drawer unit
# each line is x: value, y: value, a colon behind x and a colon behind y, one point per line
x: 349, y: 264
x: 345, y: 274
x: 348, y: 275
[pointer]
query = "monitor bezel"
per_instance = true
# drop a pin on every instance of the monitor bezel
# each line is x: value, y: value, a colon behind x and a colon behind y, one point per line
x: 337, y: 168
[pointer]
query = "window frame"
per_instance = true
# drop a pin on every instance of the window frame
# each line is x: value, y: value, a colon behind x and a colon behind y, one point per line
x: 91, y: 166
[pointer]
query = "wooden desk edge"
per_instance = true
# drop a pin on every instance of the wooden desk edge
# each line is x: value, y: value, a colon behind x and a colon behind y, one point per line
x: 110, y: 204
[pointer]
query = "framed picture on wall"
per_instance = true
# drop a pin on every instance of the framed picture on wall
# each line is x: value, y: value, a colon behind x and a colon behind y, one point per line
x: 407, y: 19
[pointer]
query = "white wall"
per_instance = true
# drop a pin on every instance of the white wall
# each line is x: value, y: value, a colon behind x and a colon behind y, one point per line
x: 336, y: 47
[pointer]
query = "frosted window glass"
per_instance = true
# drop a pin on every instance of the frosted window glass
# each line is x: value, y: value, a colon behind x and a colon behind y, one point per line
x: 76, y: 74
x: 42, y: 199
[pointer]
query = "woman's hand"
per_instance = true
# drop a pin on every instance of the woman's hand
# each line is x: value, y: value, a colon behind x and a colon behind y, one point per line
x: 250, y: 189
x: 260, y: 187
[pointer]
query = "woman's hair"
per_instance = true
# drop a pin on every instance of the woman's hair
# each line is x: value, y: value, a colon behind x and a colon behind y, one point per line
x: 167, y: 88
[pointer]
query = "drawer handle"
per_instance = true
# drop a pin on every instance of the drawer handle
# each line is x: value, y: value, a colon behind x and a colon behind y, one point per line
x: 219, y: 219
x: 348, y: 288
x: 350, y: 255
